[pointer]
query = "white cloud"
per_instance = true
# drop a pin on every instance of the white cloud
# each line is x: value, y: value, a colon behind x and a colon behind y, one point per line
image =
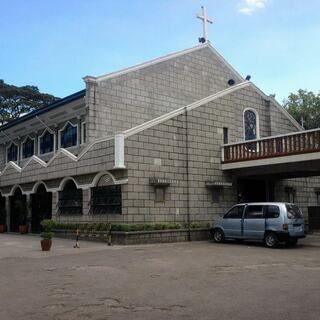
x: 249, y: 6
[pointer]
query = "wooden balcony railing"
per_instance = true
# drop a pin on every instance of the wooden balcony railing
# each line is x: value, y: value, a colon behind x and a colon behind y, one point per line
x: 276, y: 146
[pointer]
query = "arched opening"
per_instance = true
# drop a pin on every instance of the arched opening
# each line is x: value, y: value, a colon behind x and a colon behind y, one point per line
x: 70, y: 199
x: 3, y: 216
x: 41, y: 207
x: 18, y: 210
x: 106, y: 196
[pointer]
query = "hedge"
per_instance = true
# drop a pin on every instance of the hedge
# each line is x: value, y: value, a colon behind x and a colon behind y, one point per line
x: 126, y: 227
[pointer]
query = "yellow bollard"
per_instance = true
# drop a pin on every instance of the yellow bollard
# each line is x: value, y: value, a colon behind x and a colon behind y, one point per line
x: 77, y: 245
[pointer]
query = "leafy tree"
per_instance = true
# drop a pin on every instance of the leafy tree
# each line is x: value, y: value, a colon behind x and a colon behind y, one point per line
x: 304, y: 104
x: 16, y: 101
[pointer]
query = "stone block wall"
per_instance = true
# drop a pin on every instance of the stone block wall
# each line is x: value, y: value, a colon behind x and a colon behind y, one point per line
x: 195, y: 138
x: 127, y: 100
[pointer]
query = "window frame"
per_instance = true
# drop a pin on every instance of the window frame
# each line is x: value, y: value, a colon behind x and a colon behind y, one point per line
x: 266, y: 212
x: 39, y: 142
x: 83, y: 136
x: 70, y: 206
x: 257, y: 124
x: 18, y: 151
x: 240, y: 205
x: 225, y: 132
x: 22, y: 144
x: 100, y: 208
x: 263, y: 207
x: 62, y: 129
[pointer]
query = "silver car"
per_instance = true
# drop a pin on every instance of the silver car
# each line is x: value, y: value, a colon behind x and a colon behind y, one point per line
x: 271, y: 222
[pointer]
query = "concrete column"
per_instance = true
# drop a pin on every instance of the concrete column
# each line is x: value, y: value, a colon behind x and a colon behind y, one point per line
x: 79, y: 131
x: 54, y: 209
x: 8, y: 213
x: 119, y: 151
x: 29, y: 211
x: 86, y: 196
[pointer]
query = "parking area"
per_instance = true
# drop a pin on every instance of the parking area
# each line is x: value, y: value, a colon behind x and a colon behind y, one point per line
x: 197, y: 280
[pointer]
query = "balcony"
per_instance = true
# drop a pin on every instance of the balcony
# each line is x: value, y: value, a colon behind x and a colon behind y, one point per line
x: 297, y: 153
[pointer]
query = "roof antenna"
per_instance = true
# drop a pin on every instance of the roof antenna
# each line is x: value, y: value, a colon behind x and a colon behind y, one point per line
x: 205, y: 20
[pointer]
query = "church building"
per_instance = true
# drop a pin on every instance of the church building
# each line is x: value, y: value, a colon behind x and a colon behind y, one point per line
x: 176, y: 139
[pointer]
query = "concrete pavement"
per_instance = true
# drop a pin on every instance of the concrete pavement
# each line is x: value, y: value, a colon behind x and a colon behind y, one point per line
x: 197, y: 280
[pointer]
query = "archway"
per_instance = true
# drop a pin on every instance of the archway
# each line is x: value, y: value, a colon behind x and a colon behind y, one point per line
x: 70, y: 199
x: 3, y: 216
x: 106, y: 197
x: 18, y: 210
x: 41, y: 207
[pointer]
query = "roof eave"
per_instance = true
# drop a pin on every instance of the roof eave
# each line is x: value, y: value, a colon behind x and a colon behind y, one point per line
x: 54, y: 105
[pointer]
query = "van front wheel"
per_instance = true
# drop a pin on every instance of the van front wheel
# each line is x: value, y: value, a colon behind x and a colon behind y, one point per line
x: 218, y: 235
x: 271, y: 240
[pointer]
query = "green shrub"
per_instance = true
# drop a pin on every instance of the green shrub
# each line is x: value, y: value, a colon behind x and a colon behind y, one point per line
x: 47, y: 225
x: 46, y: 235
x: 125, y: 227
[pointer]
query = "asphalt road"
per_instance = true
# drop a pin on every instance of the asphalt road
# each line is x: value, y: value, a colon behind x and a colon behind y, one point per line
x: 197, y: 280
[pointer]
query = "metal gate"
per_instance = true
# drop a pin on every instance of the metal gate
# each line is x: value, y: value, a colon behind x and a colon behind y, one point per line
x: 314, y: 218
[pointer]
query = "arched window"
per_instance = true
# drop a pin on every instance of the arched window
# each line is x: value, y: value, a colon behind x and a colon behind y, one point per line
x: 28, y: 148
x: 251, y: 124
x: 70, y: 199
x: 12, y: 152
x: 106, y: 197
x: 69, y: 136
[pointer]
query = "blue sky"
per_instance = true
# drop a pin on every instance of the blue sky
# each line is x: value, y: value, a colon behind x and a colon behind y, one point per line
x: 53, y: 44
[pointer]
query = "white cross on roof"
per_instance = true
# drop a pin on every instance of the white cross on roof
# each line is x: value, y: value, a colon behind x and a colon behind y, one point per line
x: 205, y: 20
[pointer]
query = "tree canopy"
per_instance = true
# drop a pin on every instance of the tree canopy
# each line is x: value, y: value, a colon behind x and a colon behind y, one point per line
x: 304, y: 105
x: 17, y: 101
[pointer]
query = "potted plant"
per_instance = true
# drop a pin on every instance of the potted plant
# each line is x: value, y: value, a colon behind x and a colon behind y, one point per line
x: 3, y: 226
x: 46, y: 234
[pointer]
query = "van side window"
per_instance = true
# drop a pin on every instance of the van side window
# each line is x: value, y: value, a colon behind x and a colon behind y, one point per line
x: 254, y: 212
x: 272, y: 212
x: 234, y: 213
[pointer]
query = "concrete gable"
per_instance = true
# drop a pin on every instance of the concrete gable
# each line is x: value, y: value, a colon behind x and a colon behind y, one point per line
x: 125, y: 100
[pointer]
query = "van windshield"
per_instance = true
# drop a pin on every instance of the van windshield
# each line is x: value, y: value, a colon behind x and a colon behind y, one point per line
x: 293, y: 211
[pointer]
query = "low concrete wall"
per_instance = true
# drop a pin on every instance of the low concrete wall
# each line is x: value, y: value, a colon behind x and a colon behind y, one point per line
x: 138, y: 237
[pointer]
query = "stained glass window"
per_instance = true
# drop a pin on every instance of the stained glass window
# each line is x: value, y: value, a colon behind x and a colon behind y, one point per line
x: 28, y: 148
x: 12, y: 153
x: 250, y: 125
x: 69, y: 136
x: 46, y: 143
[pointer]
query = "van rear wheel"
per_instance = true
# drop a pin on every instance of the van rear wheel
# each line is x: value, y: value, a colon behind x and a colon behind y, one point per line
x: 271, y: 240
x: 218, y: 235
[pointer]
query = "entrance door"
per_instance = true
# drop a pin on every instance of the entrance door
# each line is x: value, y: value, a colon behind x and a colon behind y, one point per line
x: 41, y: 208
x: 254, y: 222
x: 250, y: 190
x: 314, y: 218
x: 18, y: 210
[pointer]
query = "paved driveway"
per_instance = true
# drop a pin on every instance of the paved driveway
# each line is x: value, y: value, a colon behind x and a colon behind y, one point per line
x: 198, y: 280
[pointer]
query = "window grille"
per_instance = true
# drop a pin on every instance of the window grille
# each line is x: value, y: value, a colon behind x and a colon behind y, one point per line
x: 70, y: 200
x: 106, y: 200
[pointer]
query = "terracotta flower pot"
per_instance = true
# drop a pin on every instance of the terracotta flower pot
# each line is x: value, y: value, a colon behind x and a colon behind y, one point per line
x: 23, y: 229
x: 46, y: 244
x: 3, y: 228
